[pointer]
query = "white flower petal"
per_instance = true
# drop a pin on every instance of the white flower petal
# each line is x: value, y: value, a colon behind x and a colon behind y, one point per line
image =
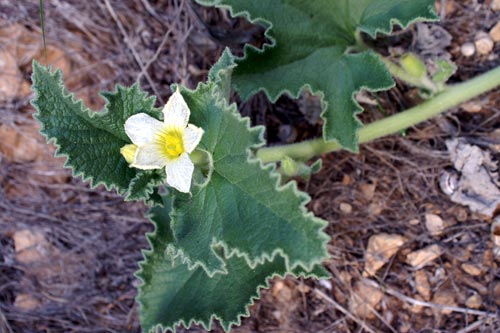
x: 142, y: 128
x: 176, y: 112
x: 149, y: 157
x: 180, y: 172
x: 192, y: 136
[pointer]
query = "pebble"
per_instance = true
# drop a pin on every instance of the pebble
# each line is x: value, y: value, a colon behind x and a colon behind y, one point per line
x: 345, y: 208
x: 434, y: 224
x: 474, y: 302
x: 484, y: 43
x: 468, y: 49
x: 495, y: 5
x: 425, y: 256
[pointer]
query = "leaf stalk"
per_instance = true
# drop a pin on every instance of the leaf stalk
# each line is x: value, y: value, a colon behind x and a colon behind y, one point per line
x: 451, y: 97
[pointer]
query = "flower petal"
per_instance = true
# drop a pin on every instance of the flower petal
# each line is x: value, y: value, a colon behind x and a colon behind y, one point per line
x: 176, y: 112
x: 149, y: 157
x: 192, y: 136
x: 180, y: 172
x: 142, y: 128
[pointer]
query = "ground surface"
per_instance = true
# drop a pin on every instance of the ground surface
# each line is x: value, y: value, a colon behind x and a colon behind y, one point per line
x: 81, y: 245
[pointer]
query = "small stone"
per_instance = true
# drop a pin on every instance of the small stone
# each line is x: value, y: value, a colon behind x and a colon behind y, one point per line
x: 345, y: 208
x: 380, y: 249
x: 483, y: 42
x: 495, y: 32
x: 26, y: 302
x: 471, y: 269
x: 468, y: 49
x: 414, y: 222
x: 363, y: 299
x: 326, y: 284
x: 434, y: 224
x: 474, y: 302
x: 471, y: 107
x: 444, y: 297
x: 368, y: 190
x: 422, y: 285
x: 425, y: 256
x: 495, y: 5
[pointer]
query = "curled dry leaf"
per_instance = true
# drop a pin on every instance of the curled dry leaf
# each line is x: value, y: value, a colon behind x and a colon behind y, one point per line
x: 477, y: 186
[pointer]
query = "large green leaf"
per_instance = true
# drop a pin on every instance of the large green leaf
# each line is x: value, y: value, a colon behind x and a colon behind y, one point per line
x: 242, y: 208
x: 313, y: 45
x: 91, y: 141
x: 171, y: 293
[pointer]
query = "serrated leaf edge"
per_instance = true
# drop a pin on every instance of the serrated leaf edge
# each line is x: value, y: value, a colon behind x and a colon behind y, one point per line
x: 271, y: 169
x: 58, y: 76
x: 227, y: 326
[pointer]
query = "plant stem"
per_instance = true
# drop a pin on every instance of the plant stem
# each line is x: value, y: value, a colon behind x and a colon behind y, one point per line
x: 452, y: 96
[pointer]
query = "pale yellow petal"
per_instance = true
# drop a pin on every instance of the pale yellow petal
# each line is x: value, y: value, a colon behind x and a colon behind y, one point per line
x: 176, y: 112
x: 142, y: 128
x: 192, y: 137
x: 128, y: 152
x: 149, y: 157
x: 180, y: 172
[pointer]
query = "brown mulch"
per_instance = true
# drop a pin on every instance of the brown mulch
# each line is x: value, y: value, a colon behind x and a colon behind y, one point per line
x: 80, y: 277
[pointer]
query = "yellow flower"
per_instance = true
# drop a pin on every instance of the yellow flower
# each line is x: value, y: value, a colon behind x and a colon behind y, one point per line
x: 164, y: 144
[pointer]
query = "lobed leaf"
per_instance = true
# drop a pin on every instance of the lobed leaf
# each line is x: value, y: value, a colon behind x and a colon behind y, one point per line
x: 312, y: 46
x: 242, y: 208
x: 172, y: 294
x: 91, y: 141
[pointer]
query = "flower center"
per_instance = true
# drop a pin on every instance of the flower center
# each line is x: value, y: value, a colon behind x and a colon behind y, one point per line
x: 171, y: 143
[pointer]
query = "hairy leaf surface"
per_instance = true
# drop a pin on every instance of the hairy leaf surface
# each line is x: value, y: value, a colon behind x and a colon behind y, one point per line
x: 172, y: 294
x: 314, y: 45
x: 242, y: 207
x: 91, y: 141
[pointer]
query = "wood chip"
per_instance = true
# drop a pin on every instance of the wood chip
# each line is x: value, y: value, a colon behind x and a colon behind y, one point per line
x: 495, y: 32
x: 425, y: 256
x: 422, y: 285
x: 380, y: 249
x: 31, y: 246
x: 363, y: 299
x: 471, y: 269
x: 444, y: 297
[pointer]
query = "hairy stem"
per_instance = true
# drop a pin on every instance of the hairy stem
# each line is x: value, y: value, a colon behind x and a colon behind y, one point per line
x: 452, y: 96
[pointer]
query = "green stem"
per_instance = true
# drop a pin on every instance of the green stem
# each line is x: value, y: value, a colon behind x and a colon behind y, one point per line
x: 449, y: 98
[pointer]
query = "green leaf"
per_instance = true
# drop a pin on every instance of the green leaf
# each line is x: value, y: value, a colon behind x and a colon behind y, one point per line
x: 242, y: 208
x: 172, y: 294
x: 144, y: 186
x: 312, y: 46
x: 90, y: 141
